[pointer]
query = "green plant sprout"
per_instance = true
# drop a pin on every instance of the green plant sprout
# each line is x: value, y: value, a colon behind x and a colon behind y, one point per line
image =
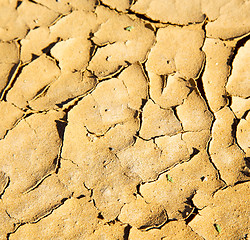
x: 129, y: 28
x: 217, y: 227
x: 170, y: 179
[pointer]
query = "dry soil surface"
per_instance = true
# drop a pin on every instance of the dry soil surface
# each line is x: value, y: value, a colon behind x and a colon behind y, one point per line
x: 124, y: 119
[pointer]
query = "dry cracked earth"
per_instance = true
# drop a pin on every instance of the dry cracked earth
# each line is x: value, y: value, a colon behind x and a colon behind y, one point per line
x: 124, y: 119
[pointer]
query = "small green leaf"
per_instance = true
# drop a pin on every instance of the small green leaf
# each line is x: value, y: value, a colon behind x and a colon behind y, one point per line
x: 217, y: 227
x: 170, y: 179
x: 129, y: 28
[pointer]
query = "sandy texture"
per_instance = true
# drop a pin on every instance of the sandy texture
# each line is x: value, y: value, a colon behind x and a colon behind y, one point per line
x: 124, y: 120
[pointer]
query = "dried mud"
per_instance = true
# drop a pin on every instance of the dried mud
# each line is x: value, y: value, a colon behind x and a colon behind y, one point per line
x: 124, y: 119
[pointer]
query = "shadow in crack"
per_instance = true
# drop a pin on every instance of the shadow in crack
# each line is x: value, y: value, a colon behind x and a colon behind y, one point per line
x: 126, y: 232
x: 192, y: 215
x: 10, y: 82
x: 239, y: 44
x: 60, y: 125
x: 190, y: 210
x: 61, y: 129
x: 47, y: 49
x: 195, y: 152
x: 246, y: 171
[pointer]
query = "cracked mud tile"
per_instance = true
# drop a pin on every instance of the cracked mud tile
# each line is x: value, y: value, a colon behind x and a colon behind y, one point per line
x: 8, y: 60
x: 37, y: 203
x: 101, y: 168
x: 62, y: 6
x: 72, y: 54
x: 60, y: 223
x: 233, y: 21
x: 158, y: 122
x: 222, y: 130
x: 147, y: 159
x: 113, y: 188
x: 36, y: 15
x: 174, y: 149
x: 12, y: 26
x: 143, y: 159
x: 70, y: 175
x: 121, y: 136
x: 196, y: 140
x: 115, y: 29
x: 78, y: 24
x: 229, y: 209
x: 103, y: 14
x: 121, y: 6
x: 168, y: 11
x: 238, y: 83
x: 168, y: 91
x: 67, y: 87
x: 143, y: 215
x: 27, y: 168
x: 117, y: 138
x: 8, y: 52
x: 174, y: 189
x: 34, y: 42
x: 4, y: 181
x: 194, y: 114
x: 243, y: 134
x: 66, y: 6
x: 127, y: 41
x: 239, y: 106
x: 61, y: 220
x: 224, y: 151
x: 171, y: 230
x: 7, y: 224
x: 112, y: 184
x: 9, y: 116
x: 135, y: 81
x: 6, y: 71
x: 27, y: 85
x: 229, y: 19
x: 183, y: 54
x: 212, y: 8
x: 110, y: 231
x: 216, y: 72
x: 106, y: 115
x: 99, y: 113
